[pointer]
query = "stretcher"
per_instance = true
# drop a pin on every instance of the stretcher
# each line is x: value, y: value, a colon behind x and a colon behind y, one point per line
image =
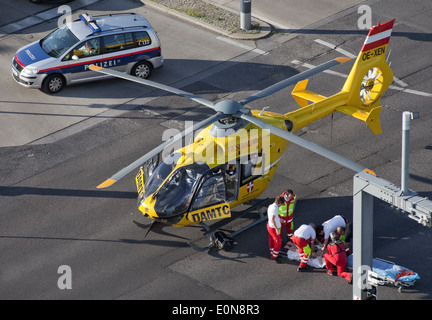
x: 387, y: 273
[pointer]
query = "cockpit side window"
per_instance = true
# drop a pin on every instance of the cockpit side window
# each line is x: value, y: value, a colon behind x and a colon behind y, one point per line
x: 175, y: 196
x: 212, y: 190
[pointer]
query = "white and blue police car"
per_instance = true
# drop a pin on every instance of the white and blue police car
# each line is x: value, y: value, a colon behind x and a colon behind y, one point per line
x: 126, y: 42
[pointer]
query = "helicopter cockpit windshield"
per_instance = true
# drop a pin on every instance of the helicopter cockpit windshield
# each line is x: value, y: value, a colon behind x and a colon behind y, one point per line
x: 175, y: 196
x: 155, y: 173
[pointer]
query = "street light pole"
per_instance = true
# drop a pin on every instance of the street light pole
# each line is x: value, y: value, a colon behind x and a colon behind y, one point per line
x: 406, y: 117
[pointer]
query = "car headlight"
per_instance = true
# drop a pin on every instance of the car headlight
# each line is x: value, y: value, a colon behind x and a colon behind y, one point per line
x: 29, y: 72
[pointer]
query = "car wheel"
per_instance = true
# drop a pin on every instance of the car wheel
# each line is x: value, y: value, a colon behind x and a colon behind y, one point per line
x: 53, y: 83
x: 142, y: 69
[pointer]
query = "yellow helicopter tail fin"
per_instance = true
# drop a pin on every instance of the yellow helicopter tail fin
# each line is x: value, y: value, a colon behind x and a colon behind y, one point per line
x: 371, y: 117
x: 369, y: 78
x: 303, y: 96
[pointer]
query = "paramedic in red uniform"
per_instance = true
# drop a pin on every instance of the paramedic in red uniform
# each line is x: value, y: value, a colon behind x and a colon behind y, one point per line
x: 336, y: 256
x: 273, y: 228
x: 304, y: 239
x: 286, y: 213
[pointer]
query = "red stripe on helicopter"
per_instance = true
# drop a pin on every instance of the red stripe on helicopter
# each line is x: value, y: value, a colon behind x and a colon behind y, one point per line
x: 378, y: 36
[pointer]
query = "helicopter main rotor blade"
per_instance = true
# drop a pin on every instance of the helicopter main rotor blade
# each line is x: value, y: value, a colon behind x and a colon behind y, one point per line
x: 136, y: 164
x: 294, y: 79
x: 153, y: 84
x: 305, y: 143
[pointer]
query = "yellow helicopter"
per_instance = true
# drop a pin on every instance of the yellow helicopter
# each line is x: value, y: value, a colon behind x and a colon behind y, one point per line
x: 235, y: 155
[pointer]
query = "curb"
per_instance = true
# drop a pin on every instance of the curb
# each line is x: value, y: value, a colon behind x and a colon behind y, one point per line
x: 266, y: 28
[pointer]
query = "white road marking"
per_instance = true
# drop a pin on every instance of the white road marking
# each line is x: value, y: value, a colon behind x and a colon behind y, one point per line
x: 310, y: 66
x: 240, y: 45
x: 332, y: 46
x: 419, y: 93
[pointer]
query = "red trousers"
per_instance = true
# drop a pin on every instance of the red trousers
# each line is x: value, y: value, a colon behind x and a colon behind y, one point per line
x: 275, y: 242
x: 289, y: 226
x: 303, y: 249
x: 339, y: 260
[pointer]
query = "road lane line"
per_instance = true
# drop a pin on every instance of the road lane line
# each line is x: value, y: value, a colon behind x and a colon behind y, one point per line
x: 240, y: 45
x: 332, y: 46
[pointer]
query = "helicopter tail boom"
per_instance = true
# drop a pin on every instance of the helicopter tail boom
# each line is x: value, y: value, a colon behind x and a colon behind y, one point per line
x: 360, y: 96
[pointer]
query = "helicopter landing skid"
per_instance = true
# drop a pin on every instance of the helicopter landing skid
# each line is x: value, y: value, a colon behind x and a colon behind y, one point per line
x: 211, y: 244
x: 260, y: 206
x: 202, y: 249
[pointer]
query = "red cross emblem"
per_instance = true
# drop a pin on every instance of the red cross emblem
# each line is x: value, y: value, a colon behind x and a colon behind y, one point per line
x: 250, y: 186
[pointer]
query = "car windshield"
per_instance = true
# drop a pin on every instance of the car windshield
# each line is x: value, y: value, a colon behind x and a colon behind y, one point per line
x: 58, y: 42
x: 175, y: 196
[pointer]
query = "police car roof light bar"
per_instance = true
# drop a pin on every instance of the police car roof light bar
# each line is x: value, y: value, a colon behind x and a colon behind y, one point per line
x: 90, y: 22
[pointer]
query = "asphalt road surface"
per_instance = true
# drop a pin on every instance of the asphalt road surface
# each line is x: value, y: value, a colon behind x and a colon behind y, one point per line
x: 52, y: 215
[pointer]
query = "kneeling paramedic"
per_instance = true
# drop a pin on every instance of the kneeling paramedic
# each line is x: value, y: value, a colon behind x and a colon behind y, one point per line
x: 336, y: 256
x: 304, y: 239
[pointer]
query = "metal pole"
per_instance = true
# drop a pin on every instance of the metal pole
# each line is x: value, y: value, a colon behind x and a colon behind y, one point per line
x: 406, y: 116
x: 245, y: 14
x: 362, y: 239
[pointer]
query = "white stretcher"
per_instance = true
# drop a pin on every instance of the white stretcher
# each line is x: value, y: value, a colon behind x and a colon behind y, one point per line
x: 387, y: 273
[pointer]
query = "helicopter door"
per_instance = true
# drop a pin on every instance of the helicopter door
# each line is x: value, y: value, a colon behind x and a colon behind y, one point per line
x: 212, y: 190
x: 232, y: 181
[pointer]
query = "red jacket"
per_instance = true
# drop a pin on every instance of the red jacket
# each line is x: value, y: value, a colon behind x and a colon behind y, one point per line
x: 337, y: 251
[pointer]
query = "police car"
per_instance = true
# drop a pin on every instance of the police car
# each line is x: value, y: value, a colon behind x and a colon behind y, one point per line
x: 125, y: 42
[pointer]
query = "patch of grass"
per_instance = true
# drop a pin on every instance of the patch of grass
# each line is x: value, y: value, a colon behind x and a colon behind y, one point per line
x: 195, y: 13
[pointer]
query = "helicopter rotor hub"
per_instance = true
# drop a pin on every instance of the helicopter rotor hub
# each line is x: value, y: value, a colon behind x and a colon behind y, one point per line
x: 228, y: 107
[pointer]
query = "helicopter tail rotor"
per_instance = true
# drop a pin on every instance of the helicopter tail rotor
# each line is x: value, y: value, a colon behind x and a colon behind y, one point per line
x: 370, y: 77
